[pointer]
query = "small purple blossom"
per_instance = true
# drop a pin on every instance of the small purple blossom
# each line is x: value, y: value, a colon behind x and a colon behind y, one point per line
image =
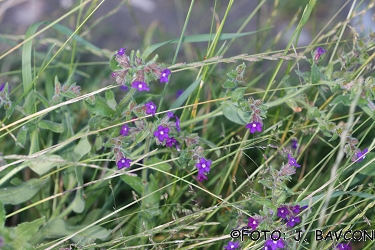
x: 124, y: 130
x: 121, y: 51
x: 162, y: 133
x: 124, y: 88
x: 274, y: 244
x: 254, y: 126
x: 294, y: 143
x: 253, y: 223
x: 2, y: 86
x: 123, y: 163
x: 201, y: 177
x: 203, y: 165
x: 282, y: 212
x: 293, y: 221
x: 232, y: 245
x: 361, y: 155
x: 318, y: 53
x: 344, y: 246
x: 140, y: 86
x: 170, y: 114
x: 293, y: 162
x: 164, y: 75
x: 151, y: 108
x: 170, y: 142
x: 295, y: 209
x: 179, y: 92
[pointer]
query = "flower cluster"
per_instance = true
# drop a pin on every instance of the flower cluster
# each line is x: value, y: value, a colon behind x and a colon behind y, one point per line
x: 232, y: 245
x: 343, y: 246
x: 256, y: 108
x: 318, y: 53
x: 162, y: 133
x: 253, y: 223
x: 123, y: 163
x: 4, y: 96
x: 360, y: 155
x: 274, y: 244
x: 289, y: 214
x: 203, y: 167
x: 134, y: 71
x: 66, y: 90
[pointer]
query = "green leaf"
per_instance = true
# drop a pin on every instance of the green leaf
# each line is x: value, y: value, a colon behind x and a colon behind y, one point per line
x: 110, y: 97
x: 58, y: 228
x: 44, y: 163
x: 10, y: 110
x: 152, y: 201
x: 133, y: 181
x: 315, y: 74
x: 42, y: 99
x: 53, y: 126
x: 235, y: 114
x: 162, y: 166
x: 228, y: 84
x: 25, y: 232
x: 22, y: 135
x: 2, y: 215
x: 26, y: 57
x: 113, y: 63
x: 99, y: 107
x: 83, y: 147
x: 369, y: 169
x: 78, y: 204
x: 263, y: 201
x: 238, y: 94
x: 29, y: 104
x: 344, y: 99
x: 184, y: 96
x: 197, y: 38
x: 22, y: 193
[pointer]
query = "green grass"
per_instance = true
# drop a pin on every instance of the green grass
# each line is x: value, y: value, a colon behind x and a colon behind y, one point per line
x: 60, y: 187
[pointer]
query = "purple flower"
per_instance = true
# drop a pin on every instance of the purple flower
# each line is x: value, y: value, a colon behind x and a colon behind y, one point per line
x: 162, y: 133
x: 201, y: 177
x: 292, y: 221
x: 254, y: 126
x: 232, y: 245
x: 295, y: 209
x: 294, y: 143
x: 274, y: 244
x: 344, y: 246
x: 293, y: 162
x: 361, y: 155
x: 121, y: 51
x: 2, y: 86
x: 170, y: 142
x: 124, y: 88
x: 253, y: 223
x: 318, y: 53
x: 164, y: 75
x: 123, y: 162
x: 140, y: 86
x: 179, y: 92
x: 151, y: 108
x: 282, y: 212
x: 170, y: 114
x: 124, y: 130
x: 203, y: 165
